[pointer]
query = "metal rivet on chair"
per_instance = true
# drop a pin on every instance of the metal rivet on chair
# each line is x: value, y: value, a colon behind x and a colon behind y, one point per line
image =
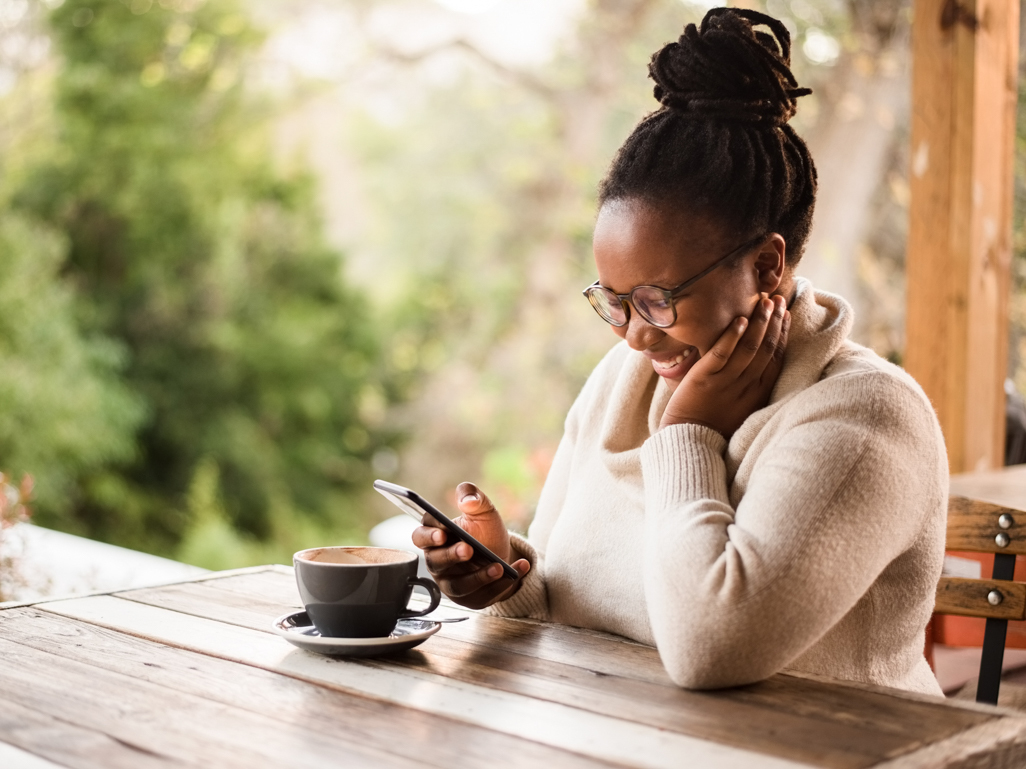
x: 1005, y: 521
x: 994, y: 597
x: 1002, y: 539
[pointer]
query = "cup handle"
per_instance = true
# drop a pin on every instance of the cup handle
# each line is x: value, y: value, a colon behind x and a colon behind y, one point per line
x: 432, y: 588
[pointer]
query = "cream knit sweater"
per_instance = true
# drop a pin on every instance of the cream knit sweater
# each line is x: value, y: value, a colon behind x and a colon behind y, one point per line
x: 812, y: 540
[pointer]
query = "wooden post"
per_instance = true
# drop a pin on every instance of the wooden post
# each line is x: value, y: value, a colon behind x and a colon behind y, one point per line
x: 964, y: 72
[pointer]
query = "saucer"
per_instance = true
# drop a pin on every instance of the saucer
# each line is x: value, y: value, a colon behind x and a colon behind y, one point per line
x: 298, y: 630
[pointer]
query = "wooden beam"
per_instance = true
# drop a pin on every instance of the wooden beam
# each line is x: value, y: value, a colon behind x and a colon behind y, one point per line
x: 970, y: 598
x: 964, y: 80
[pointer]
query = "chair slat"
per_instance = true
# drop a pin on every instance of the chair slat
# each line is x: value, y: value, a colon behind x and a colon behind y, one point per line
x: 968, y: 598
x: 973, y: 527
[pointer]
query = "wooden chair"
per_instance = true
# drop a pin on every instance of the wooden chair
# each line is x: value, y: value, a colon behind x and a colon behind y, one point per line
x: 982, y: 527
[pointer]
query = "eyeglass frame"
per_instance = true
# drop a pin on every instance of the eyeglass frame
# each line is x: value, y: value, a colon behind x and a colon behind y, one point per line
x: 670, y: 295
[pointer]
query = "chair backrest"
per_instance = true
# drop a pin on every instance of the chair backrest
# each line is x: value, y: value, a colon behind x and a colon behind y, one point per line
x: 981, y: 527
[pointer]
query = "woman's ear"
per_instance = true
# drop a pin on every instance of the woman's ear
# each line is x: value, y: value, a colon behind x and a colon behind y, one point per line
x: 770, y: 263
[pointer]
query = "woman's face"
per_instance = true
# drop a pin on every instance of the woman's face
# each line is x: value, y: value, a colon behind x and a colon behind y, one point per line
x: 635, y: 244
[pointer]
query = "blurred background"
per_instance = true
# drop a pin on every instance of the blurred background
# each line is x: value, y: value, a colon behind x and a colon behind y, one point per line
x: 255, y: 253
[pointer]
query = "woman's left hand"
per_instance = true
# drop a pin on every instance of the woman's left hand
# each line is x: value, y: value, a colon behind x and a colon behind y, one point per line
x: 735, y: 378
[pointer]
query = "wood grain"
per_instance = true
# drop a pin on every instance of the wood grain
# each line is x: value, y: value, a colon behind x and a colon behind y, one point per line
x: 556, y: 725
x: 68, y: 745
x: 163, y: 722
x: 426, y: 739
x: 792, y: 718
x: 959, y: 242
x: 968, y: 598
x: 541, y: 687
x: 973, y: 525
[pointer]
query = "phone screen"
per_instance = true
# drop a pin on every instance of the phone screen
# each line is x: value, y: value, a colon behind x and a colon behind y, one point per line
x: 411, y: 503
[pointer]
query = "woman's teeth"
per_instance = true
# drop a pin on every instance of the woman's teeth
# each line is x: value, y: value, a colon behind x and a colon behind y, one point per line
x: 668, y: 364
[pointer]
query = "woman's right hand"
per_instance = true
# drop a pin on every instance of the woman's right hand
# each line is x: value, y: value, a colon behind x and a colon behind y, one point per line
x: 460, y: 576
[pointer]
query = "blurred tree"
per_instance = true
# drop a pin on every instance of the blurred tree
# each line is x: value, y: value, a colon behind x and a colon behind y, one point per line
x: 258, y: 367
x: 64, y: 412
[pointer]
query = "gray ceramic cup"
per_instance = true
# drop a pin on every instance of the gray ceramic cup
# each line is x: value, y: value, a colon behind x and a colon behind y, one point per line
x: 359, y: 592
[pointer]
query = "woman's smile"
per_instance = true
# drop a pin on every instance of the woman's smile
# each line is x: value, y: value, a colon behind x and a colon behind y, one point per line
x: 671, y: 366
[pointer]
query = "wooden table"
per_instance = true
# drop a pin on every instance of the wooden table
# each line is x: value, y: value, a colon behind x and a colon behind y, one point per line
x: 189, y: 675
x: 1006, y: 487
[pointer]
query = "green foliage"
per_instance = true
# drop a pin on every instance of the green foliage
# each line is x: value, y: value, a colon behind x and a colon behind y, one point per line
x: 63, y: 411
x: 211, y: 541
x: 251, y: 355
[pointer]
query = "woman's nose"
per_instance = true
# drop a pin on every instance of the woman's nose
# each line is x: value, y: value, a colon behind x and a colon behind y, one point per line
x: 640, y: 333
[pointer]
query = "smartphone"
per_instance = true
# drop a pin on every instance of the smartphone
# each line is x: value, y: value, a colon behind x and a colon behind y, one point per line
x: 415, y: 506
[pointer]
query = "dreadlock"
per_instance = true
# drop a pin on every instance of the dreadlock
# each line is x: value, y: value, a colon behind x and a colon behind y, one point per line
x: 720, y: 144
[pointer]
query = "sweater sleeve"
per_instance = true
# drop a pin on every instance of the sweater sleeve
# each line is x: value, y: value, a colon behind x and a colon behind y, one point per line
x: 827, y: 507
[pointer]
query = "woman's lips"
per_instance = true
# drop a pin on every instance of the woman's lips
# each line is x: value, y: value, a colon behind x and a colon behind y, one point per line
x: 677, y: 366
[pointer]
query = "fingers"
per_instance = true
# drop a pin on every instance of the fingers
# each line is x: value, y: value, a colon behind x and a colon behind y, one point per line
x: 751, y: 341
x: 768, y: 347
x: 720, y: 353
x: 429, y: 536
x: 441, y: 559
x: 776, y: 362
x: 472, y: 501
x: 482, y: 587
x: 460, y: 585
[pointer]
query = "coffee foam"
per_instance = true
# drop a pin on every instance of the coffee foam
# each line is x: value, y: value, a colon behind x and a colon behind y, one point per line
x: 354, y: 555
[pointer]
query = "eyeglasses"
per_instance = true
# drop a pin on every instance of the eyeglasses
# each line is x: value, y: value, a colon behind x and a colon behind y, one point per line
x: 654, y: 304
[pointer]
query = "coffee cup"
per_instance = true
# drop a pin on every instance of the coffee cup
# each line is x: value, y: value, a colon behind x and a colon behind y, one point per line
x: 359, y: 592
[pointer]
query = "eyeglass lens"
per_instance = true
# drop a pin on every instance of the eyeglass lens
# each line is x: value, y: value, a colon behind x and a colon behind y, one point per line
x: 607, y: 305
x: 650, y: 303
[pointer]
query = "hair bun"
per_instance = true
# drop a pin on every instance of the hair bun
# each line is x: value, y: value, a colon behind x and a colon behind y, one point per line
x: 728, y: 71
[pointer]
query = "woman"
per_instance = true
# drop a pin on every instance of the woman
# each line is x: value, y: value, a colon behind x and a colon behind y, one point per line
x: 743, y: 510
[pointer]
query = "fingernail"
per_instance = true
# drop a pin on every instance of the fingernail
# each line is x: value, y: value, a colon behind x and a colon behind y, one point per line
x: 470, y: 498
x: 742, y: 323
x: 464, y: 551
x: 494, y: 570
x: 437, y: 537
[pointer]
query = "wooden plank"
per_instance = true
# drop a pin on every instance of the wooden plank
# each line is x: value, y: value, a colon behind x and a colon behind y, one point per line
x: 556, y: 725
x: 50, y: 739
x: 426, y: 739
x: 959, y: 242
x: 969, y: 598
x: 160, y: 721
x: 973, y: 526
x: 16, y: 758
x: 1005, y: 487
x: 998, y: 744
x: 792, y: 718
